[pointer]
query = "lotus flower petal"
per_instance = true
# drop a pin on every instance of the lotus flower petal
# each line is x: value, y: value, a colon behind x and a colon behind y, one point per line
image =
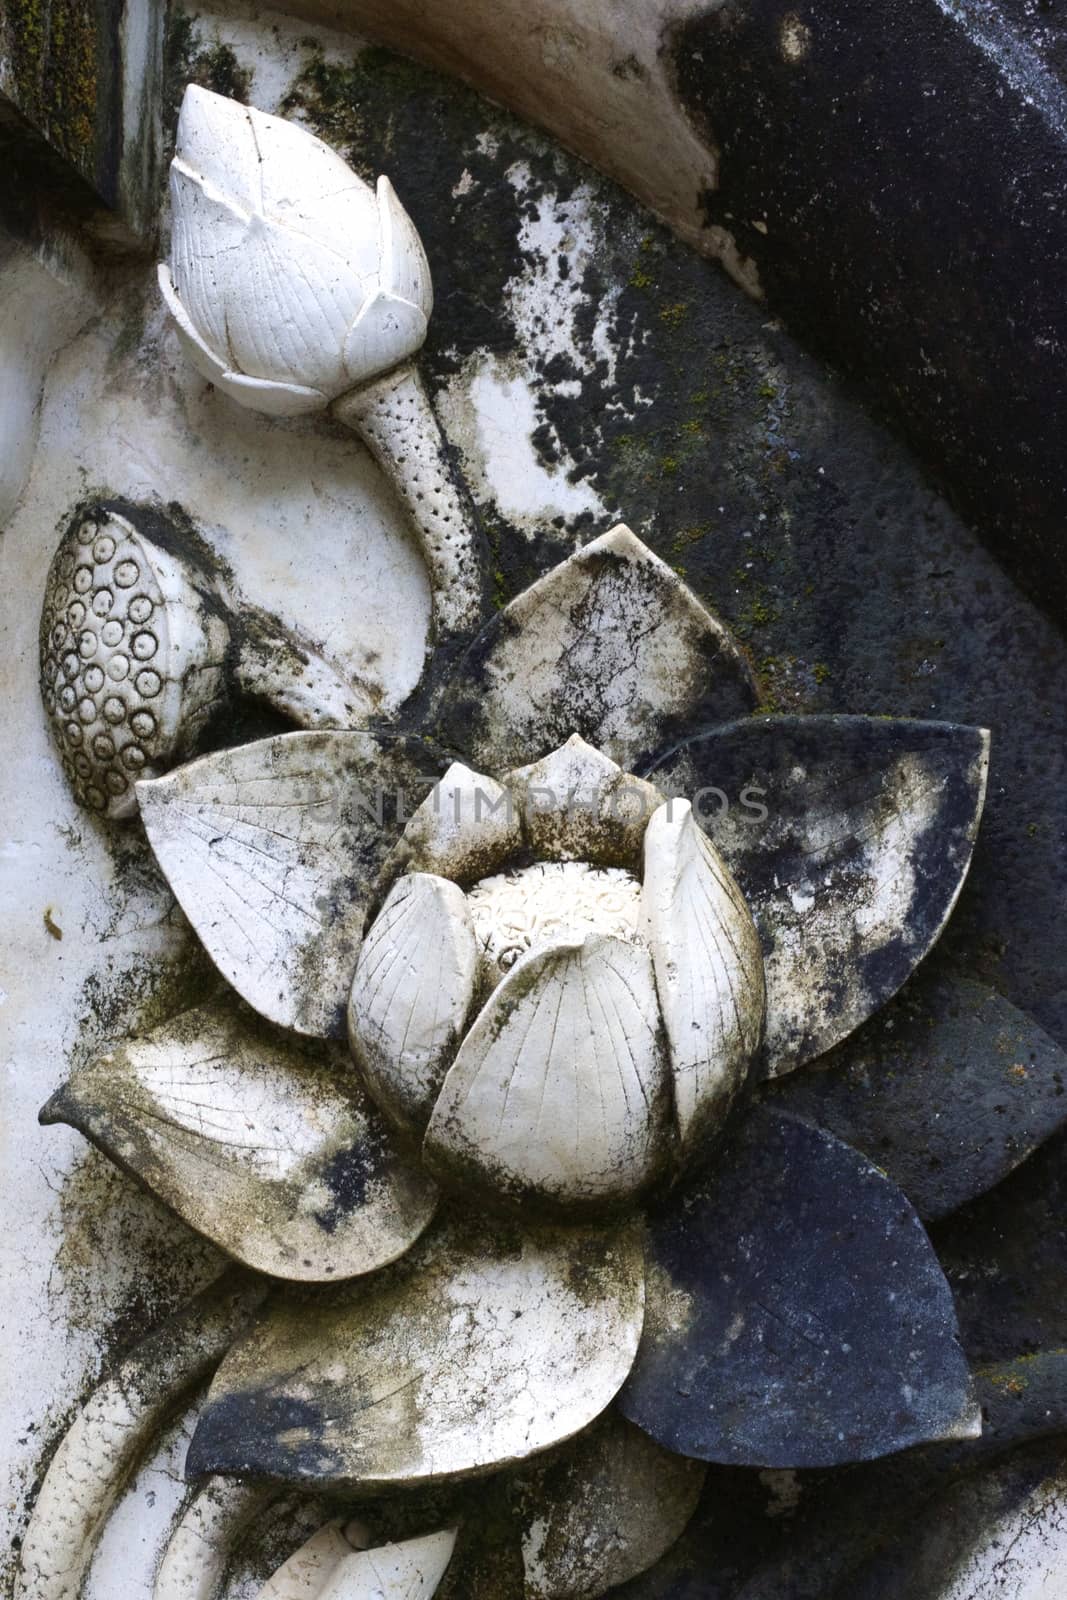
x: 208, y: 240
x: 559, y: 1092
x: 258, y: 1141
x: 610, y: 644
x: 855, y: 864
x: 272, y: 399
x: 799, y: 1317
x: 215, y: 141
x: 484, y: 1345
x: 709, y: 970
x: 1000, y: 1534
x: 272, y: 850
x: 201, y: 356
x: 947, y: 1089
x: 465, y: 828
x: 405, y: 271
x: 413, y: 988
x: 289, y: 303
x: 312, y: 190
x: 601, y: 1510
x: 577, y: 805
x: 387, y: 330
x: 310, y: 1567
x: 327, y: 1568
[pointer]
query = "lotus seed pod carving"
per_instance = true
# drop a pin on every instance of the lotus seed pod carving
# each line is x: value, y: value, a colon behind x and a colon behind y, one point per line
x: 131, y: 659
x: 291, y: 281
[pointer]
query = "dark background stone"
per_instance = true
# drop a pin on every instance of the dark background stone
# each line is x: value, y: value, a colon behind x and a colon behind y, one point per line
x: 896, y: 172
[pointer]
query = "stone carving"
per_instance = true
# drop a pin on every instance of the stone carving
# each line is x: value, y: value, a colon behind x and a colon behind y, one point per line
x: 328, y: 1568
x: 560, y: 985
x: 294, y: 287
x: 139, y: 651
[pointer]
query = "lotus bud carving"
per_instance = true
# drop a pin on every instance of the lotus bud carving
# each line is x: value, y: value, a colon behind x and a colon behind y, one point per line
x: 291, y: 281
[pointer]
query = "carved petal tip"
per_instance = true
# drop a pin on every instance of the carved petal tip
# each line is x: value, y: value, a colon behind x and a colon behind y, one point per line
x: 709, y: 969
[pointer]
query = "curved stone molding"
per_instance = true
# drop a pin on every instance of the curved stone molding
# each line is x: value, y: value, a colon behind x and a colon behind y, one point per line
x: 111, y: 1432
x: 194, y: 1563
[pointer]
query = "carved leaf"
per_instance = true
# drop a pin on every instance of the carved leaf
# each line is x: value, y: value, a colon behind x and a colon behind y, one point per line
x: 269, y: 1147
x: 850, y: 838
x: 948, y: 1089
x: 797, y: 1314
x: 601, y: 1510
x: 482, y: 1346
x: 559, y: 1091
x: 610, y: 644
x: 414, y: 985
x: 272, y: 850
x: 327, y: 1568
x: 709, y: 971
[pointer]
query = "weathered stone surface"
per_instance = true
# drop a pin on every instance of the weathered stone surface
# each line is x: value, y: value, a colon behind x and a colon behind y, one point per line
x: 272, y: 850
x: 850, y: 844
x: 484, y: 1345
x: 610, y: 645
x: 263, y: 1143
x: 708, y: 965
x: 601, y: 1510
x: 947, y: 1090
x: 797, y: 1315
x: 80, y: 113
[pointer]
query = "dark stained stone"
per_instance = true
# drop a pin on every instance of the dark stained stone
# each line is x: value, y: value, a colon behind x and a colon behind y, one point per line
x: 850, y: 838
x: 947, y: 1089
x: 797, y: 1315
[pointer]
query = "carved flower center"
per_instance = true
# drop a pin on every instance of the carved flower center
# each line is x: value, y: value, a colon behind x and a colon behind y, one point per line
x: 515, y: 912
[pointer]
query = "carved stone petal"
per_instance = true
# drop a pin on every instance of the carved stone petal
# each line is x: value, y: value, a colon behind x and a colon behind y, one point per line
x: 466, y: 828
x: 405, y: 271
x: 709, y: 970
x: 850, y: 838
x: 485, y: 1344
x: 948, y: 1089
x: 273, y: 399
x: 386, y: 330
x: 578, y: 805
x: 797, y: 1314
x: 408, y: 1571
x: 610, y: 644
x: 327, y: 1568
x: 272, y: 850
x: 266, y: 1145
x: 559, y: 1092
x: 602, y: 1510
x: 414, y: 985
x: 317, y: 298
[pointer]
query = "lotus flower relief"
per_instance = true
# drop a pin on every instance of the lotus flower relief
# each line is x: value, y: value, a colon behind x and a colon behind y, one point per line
x: 553, y: 985
x: 586, y: 1010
